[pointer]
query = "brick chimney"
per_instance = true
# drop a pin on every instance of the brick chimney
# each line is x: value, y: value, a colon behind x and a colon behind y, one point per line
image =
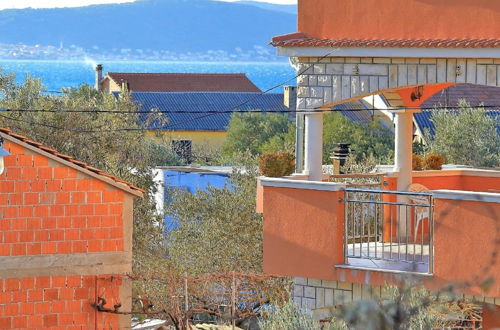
x: 98, y: 77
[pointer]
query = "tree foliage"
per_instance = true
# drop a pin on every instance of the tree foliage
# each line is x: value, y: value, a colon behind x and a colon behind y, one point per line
x: 217, y: 230
x: 371, y: 140
x: 258, y: 133
x: 465, y: 136
x: 112, y: 141
x: 264, y: 133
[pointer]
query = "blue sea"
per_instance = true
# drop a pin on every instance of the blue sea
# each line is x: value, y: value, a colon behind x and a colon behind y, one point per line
x: 59, y: 74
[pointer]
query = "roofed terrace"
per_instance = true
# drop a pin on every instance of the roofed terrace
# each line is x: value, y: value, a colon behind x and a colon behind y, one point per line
x: 394, y: 57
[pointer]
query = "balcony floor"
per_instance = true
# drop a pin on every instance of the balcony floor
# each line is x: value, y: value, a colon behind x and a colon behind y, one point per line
x: 389, y: 256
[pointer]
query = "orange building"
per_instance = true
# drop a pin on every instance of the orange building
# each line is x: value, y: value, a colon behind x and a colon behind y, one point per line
x: 343, y: 241
x: 65, y: 240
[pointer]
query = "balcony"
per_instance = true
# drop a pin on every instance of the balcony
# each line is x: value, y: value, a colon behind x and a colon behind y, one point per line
x: 371, y: 233
x: 388, y: 230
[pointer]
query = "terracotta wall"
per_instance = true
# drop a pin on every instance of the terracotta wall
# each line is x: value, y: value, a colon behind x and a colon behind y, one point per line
x: 301, y: 232
x: 303, y: 236
x: 60, y: 230
x: 454, y: 180
x: 466, y: 244
x: 491, y: 317
x: 389, y: 19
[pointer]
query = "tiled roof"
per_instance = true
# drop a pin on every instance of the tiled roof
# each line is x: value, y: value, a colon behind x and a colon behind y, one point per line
x: 423, y: 120
x: 197, y: 103
x: 355, y: 111
x: 70, y: 159
x: 476, y: 95
x: 185, y: 82
x: 301, y: 40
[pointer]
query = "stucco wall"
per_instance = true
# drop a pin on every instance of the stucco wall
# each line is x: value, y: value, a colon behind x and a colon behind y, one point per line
x: 386, y: 19
x: 466, y: 244
x: 301, y: 232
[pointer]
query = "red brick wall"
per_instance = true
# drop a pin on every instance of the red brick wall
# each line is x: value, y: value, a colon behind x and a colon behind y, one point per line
x: 48, y: 209
x: 62, y: 301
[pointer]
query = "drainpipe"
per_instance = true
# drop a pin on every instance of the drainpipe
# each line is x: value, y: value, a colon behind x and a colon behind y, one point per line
x: 98, y: 77
x: 403, y: 163
x: 314, y: 145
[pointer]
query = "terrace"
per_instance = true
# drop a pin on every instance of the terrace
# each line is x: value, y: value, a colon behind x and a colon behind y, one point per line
x: 440, y: 224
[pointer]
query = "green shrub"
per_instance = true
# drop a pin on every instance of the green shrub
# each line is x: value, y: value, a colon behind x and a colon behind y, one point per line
x: 288, y: 316
x: 277, y: 164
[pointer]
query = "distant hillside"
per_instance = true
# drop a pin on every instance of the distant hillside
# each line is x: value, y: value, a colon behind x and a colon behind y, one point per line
x: 149, y: 26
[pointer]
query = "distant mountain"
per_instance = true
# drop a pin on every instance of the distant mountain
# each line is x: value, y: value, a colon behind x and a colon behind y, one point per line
x: 290, y: 9
x: 151, y: 27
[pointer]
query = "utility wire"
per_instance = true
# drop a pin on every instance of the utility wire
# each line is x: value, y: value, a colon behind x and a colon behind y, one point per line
x: 206, y: 113
x: 155, y: 110
x: 189, y: 120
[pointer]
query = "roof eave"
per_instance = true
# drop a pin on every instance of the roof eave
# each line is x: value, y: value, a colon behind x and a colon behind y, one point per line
x: 109, y: 181
x: 312, y: 51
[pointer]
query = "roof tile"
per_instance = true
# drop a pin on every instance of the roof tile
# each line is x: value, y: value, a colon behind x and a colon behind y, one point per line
x: 67, y: 158
x: 301, y: 40
x: 185, y: 82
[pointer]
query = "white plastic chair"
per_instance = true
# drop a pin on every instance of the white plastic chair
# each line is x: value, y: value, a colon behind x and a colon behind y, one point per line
x: 421, y: 212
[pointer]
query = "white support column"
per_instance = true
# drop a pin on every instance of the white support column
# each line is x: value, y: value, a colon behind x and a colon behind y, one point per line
x: 313, y: 152
x: 403, y: 163
x: 299, y: 143
x: 403, y: 148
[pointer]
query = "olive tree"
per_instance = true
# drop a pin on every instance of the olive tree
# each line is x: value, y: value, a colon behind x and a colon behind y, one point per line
x: 466, y: 135
x: 99, y: 129
x: 217, y: 230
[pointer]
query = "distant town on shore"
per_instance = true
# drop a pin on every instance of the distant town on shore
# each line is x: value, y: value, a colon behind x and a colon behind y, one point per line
x: 237, y: 31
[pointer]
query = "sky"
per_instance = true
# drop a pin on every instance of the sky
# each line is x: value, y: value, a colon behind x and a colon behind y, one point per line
x: 6, y: 4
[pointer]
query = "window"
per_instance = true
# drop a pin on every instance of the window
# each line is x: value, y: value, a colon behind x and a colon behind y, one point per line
x: 183, y: 149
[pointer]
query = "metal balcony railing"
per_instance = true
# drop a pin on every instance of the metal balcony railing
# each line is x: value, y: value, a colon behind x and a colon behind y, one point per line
x: 360, y: 180
x: 390, y: 230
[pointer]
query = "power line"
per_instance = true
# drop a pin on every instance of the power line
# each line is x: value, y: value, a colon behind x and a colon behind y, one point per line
x: 269, y: 89
x: 234, y: 109
x: 167, y: 126
x: 154, y: 110
x: 208, y: 113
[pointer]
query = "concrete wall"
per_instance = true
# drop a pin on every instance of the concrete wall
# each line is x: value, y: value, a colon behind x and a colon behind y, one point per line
x: 65, y: 238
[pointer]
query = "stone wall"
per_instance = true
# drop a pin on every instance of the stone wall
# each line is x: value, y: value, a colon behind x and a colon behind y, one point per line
x: 313, y: 294
x: 320, y: 296
x: 334, y: 79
